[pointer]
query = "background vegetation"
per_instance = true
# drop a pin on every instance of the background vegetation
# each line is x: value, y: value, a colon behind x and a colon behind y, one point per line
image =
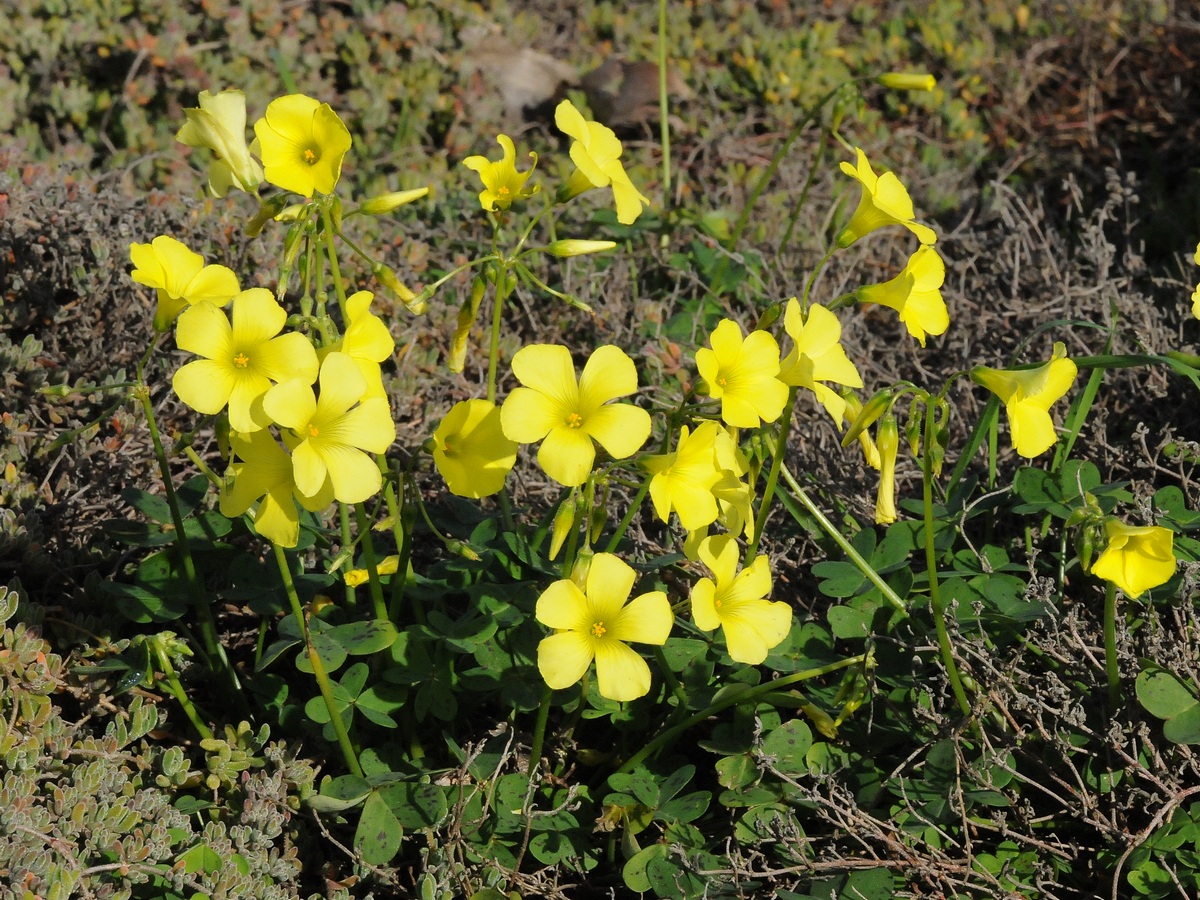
x: 1054, y: 157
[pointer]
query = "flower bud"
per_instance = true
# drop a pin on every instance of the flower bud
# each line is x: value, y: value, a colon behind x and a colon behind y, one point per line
x: 564, y: 521
x: 386, y: 203
x: 900, y: 81
x: 414, y: 303
x: 290, y: 213
x: 874, y: 408
x: 569, y: 248
x: 887, y: 438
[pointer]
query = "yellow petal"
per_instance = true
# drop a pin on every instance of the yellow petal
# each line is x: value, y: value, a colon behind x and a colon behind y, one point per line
x: 620, y: 428
x: 609, y: 373
x: 621, y: 674
x: 563, y: 658
x: 646, y: 619
x: 563, y: 606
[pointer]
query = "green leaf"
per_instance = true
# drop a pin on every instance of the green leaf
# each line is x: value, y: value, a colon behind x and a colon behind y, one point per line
x: 735, y: 772
x: 1185, y: 727
x: 416, y: 805
x: 379, y: 833
x: 788, y: 745
x: 364, y: 637
x: 852, y: 622
x: 686, y: 808
x: 152, y: 506
x: 639, y: 783
x: 634, y: 871
x: 200, y: 858
x: 1162, y: 693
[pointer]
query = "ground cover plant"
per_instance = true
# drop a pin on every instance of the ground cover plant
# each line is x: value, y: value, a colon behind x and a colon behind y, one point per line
x: 762, y: 528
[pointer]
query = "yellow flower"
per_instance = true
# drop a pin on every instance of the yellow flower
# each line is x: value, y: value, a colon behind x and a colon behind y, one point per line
x: 570, y: 414
x: 333, y: 431
x: 302, y: 143
x: 596, y: 623
x: 596, y: 152
x: 1137, y: 558
x: 219, y: 125
x: 735, y: 601
x: 915, y: 294
x: 471, y: 451
x: 367, y: 341
x: 734, y: 497
x: 887, y: 439
x: 741, y: 374
x: 180, y: 276
x: 502, y: 183
x: 265, y: 475
x: 854, y: 409
x: 1027, y: 395
x: 884, y: 201
x: 684, y: 480
x: 817, y: 356
x: 241, y: 360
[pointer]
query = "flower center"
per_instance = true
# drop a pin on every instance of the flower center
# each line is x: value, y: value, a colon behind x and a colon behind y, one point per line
x: 598, y: 629
x: 503, y: 190
x: 311, y: 156
x: 574, y: 420
x: 313, y: 430
x: 241, y: 361
x: 722, y: 381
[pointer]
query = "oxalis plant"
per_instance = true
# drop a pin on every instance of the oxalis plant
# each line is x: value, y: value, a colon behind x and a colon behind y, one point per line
x: 594, y: 666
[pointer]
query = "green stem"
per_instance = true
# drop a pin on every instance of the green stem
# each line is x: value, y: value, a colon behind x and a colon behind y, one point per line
x: 812, y: 279
x: 501, y: 270
x: 764, y: 508
x: 318, y: 667
x: 663, y: 108
x: 335, y: 271
x: 846, y: 547
x: 780, y: 154
x: 733, y: 699
x: 403, y: 516
x: 176, y: 689
x: 629, y: 514
x: 539, y: 732
x: 935, y: 593
x: 208, y: 627
x: 347, y: 545
x: 372, y: 561
x: 1112, y: 670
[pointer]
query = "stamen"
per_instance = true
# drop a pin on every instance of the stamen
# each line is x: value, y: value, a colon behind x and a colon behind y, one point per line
x: 574, y: 420
x: 598, y: 629
x: 313, y: 430
x: 241, y: 360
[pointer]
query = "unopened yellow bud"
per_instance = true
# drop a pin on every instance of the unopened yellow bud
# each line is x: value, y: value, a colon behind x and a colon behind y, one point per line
x: 564, y: 521
x: 385, y: 203
x: 887, y: 439
x: 874, y: 408
x: 414, y: 303
x: 570, y: 248
x: 900, y: 81
x: 290, y: 213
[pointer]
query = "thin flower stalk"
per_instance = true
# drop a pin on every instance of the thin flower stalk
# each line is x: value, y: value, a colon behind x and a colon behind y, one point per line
x: 318, y: 667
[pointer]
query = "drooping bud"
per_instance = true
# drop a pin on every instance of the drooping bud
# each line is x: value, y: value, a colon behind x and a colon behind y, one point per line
x: 901, y: 81
x: 456, y: 359
x: 386, y: 203
x: 880, y: 403
x: 887, y: 438
x: 414, y: 303
x: 568, y: 248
